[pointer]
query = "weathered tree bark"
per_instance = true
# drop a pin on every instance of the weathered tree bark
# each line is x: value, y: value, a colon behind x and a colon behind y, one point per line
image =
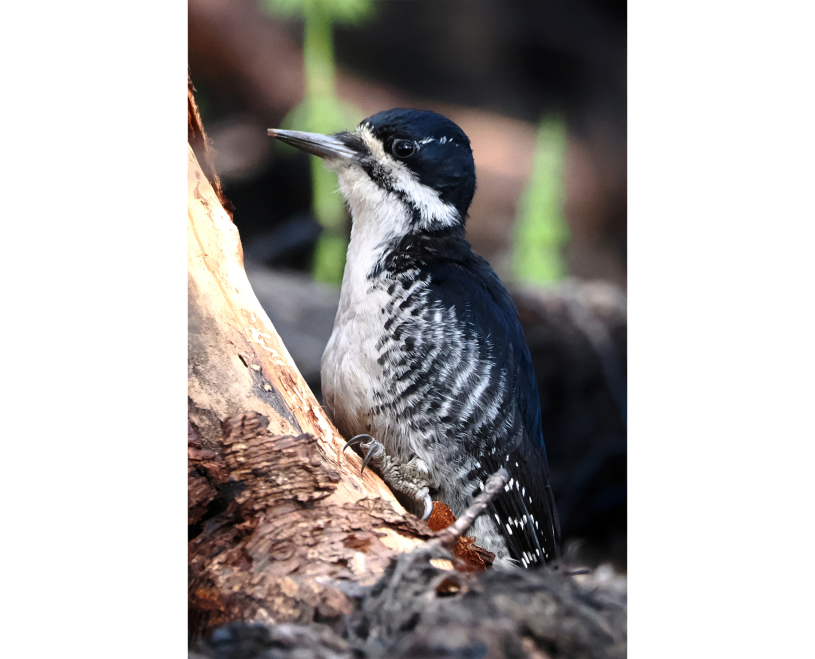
x: 276, y: 514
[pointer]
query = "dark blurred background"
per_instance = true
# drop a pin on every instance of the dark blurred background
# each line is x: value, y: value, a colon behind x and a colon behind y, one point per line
x: 496, y: 67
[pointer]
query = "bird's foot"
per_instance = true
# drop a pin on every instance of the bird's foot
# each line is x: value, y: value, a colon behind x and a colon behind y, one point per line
x: 408, y: 479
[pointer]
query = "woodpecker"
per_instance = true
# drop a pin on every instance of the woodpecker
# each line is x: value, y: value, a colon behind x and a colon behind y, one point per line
x: 427, y: 367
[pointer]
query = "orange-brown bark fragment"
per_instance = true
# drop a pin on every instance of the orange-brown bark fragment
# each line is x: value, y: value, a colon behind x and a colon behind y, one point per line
x: 475, y: 558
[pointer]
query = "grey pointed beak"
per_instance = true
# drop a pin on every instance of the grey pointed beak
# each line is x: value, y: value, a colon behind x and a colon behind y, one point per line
x: 325, y: 146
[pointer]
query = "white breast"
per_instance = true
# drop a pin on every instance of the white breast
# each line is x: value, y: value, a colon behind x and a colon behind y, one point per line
x: 349, y: 368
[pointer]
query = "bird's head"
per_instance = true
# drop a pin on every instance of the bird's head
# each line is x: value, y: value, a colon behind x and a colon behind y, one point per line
x: 407, y: 170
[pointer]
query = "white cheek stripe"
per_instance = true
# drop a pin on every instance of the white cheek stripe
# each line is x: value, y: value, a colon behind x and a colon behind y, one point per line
x: 434, y: 213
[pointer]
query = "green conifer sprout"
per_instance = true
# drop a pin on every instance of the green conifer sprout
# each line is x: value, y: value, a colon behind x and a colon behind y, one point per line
x: 541, y: 231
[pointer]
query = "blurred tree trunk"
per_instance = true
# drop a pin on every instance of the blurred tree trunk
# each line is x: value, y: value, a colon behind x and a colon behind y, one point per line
x: 275, y: 514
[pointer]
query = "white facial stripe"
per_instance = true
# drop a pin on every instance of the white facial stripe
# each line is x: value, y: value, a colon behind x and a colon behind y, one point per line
x: 376, y: 147
x: 434, y: 213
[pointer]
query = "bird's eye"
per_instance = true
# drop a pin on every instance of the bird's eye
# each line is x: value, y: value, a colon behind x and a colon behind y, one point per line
x: 403, y: 148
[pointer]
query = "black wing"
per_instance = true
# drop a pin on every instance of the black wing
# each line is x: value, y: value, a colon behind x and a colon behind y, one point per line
x: 525, y: 511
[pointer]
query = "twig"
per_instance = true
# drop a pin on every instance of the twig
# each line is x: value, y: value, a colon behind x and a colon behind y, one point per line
x: 494, y: 485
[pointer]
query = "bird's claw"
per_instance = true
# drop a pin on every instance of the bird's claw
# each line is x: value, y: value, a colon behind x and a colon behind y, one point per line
x: 356, y: 440
x: 372, y: 448
x: 428, y: 506
x: 376, y: 450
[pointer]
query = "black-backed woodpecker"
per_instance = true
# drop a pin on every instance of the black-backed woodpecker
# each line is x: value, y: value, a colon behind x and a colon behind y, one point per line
x: 427, y: 361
